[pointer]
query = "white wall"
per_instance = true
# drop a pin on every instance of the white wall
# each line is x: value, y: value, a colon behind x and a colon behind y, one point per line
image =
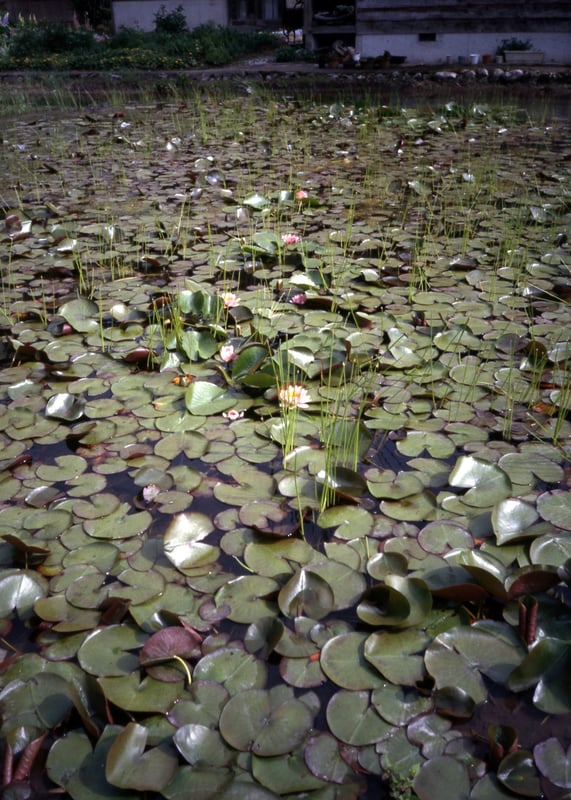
x: 141, y: 13
x: 556, y: 46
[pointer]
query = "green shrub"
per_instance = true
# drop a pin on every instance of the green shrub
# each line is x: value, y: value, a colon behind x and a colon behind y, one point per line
x: 34, y: 39
x: 41, y: 46
x: 170, y: 21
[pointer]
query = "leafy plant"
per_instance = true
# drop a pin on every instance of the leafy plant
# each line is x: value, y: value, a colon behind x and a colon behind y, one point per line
x: 514, y: 44
x: 170, y: 22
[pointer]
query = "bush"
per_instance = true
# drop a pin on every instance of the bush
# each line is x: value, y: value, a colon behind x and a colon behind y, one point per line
x: 59, y: 47
x: 170, y: 21
x: 33, y: 39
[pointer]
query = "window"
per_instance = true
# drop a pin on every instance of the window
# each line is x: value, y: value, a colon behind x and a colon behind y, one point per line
x: 426, y: 37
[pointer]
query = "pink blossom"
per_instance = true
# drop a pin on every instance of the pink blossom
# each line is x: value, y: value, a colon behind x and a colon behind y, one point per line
x: 301, y: 194
x: 233, y: 414
x: 299, y: 299
x: 294, y: 396
x: 227, y: 353
x: 229, y: 299
x: 291, y: 238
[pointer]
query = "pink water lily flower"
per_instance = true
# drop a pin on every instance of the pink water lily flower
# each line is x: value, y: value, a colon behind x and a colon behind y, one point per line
x: 233, y: 414
x: 301, y: 194
x: 227, y: 353
x: 229, y: 299
x: 291, y: 238
x: 299, y: 299
x: 294, y: 396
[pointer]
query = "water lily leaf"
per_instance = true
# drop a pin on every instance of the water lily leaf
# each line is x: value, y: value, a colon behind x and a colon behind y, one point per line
x: 323, y: 757
x: 441, y: 536
x: 73, y: 765
x: 249, y: 359
x: 517, y: 772
x: 353, y: 720
x: 40, y: 702
x: 66, y: 468
x: 554, y: 762
x: 350, y: 522
x: 397, y: 705
x: 204, y: 399
x: 267, y: 723
x: 213, y: 783
x: 552, y: 550
x: 555, y: 507
x: 512, y: 518
x: 489, y: 788
x: 486, y: 483
x: 347, y: 584
x: 183, y: 540
x: 160, y: 653
x: 258, y: 202
x: 287, y: 774
x: 202, y: 746
x: 19, y: 591
x: 147, y: 695
x: 442, y: 778
x: 438, y: 445
x: 198, y: 344
x: 119, y: 525
x: 65, y: 406
x: 421, y: 506
x: 233, y: 668
x: 81, y: 314
x: 343, y: 661
x: 387, y: 485
x: 343, y: 481
x: 398, y: 655
x: 129, y: 766
x: 306, y: 593
x: 107, y: 651
x: 545, y: 667
x: 253, y: 484
x: 249, y: 597
x: 399, y: 602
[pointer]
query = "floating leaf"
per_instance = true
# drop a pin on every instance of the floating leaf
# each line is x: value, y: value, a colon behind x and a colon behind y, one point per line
x: 554, y: 762
x: 130, y: 766
x: 486, y: 482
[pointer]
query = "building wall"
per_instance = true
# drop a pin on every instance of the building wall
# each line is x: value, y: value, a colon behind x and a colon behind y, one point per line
x: 430, y: 31
x: 448, y: 47
x: 141, y: 13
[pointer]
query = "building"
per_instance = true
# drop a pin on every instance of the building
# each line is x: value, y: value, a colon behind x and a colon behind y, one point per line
x: 434, y: 31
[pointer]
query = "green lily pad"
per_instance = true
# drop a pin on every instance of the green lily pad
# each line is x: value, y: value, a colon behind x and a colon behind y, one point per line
x: 267, y: 723
x: 398, y: 601
x: 512, y: 519
x: 343, y: 661
x: 545, y: 668
x: 200, y: 745
x: 204, y: 399
x: 130, y: 766
x: 147, y: 695
x: 398, y: 655
x: 555, y: 507
x: 183, y: 543
x: 80, y: 770
x: 108, y: 651
x: 442, y: 778
x: 554, y: 762
x: 354, y: 720
x: 236, y: 670
x: 486, y: 483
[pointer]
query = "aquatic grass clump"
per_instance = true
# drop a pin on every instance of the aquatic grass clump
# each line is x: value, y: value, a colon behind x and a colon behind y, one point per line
x: 285, y: 435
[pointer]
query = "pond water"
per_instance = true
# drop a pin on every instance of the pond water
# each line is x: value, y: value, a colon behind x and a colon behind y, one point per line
x: 284, y: 413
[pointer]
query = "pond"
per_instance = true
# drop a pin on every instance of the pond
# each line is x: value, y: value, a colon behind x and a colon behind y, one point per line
x: 284, y: 414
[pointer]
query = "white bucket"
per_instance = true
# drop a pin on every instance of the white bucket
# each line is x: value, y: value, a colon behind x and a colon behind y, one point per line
x: 474, y: 58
